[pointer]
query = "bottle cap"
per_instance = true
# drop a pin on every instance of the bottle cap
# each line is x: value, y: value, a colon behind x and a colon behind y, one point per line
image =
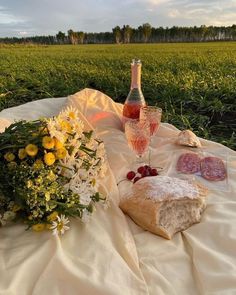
x: 136, y: 62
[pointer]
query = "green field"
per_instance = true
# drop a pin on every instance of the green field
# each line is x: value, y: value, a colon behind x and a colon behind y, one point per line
x: 195, y: 84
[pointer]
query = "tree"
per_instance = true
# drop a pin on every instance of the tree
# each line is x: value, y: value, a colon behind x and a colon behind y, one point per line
x: 73, y: 37
x: 80, y: 37
x: 117, y: 34
x: 146, y: 32
x: 61, y: 37
x: 127, y: 32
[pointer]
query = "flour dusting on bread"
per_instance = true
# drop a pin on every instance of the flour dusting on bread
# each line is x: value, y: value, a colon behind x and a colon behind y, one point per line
x: 159, y: 188
x: 165, y: 205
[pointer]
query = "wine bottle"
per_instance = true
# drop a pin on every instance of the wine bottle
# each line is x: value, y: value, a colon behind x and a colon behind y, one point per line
x: 135, y: 99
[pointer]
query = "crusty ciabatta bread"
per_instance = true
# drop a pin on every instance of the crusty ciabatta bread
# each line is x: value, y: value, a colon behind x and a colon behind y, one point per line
x: 188, y: 138
x: 164, y: 205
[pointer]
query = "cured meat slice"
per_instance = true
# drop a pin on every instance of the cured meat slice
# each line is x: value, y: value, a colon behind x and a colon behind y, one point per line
x: 188, y: 163
x: 213, y: 168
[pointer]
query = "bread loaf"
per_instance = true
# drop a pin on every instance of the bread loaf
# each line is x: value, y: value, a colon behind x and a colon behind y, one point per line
x: 188, y: 138
x: 164, y: 205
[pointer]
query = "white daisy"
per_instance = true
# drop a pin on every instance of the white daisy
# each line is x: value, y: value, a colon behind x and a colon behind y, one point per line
x: 59, y: 226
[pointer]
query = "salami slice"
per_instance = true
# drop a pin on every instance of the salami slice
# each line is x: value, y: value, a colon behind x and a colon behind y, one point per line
x: 213, y: 168
x: 188, y: 163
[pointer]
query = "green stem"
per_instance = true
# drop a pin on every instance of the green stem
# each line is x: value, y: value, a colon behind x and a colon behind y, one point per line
x: 11, y: 146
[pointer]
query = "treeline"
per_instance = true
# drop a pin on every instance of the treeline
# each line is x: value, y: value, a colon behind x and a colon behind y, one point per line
x: 143, y: 34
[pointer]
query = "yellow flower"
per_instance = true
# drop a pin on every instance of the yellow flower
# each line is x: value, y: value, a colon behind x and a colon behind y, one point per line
x: 72, y: 115
x: 48, y: 142
x: 61, y: 153
x: 58, y: 144
x: 51, y: 176
x: 38, y: 164
x: 65, y: 126
x: 22, y: 154
x: 38, y: 227
x: 47, y: 196
x: 31, y: 150
x: 29, y: 183
x: 52, y: 216
x: 9, y: 157
x: 49, y: 159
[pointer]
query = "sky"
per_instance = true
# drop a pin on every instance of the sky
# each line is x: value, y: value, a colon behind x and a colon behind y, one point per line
x: 47, y: 17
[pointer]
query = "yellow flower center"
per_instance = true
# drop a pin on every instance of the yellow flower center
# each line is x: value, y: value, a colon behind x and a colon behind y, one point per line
x: 38, y: 227
x: 49, y: 159
x: 22, y: 154
x: 52, y: 216
x: 61, y: 153
x: 72, y: 115
x: 65, y: 126
x: 38, y: 164
x: 31, y: 150
x: 48, y: 142
x: 58, y: 144
x: 60, y: 226
x: 9, y: 157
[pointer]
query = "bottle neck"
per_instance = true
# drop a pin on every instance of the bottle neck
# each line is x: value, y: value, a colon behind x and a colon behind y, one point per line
x: 135, y: 76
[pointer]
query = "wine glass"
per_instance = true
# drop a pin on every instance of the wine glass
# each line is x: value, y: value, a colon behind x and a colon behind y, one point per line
x: 151, y: 114
x: 138, y: 137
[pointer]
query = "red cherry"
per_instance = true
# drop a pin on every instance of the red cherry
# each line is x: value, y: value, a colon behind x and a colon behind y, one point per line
x: 141, y: 169
x: 137, y: 178
x: 147, y: 167
x: 145, y: 173
x: 130, y: 175
x: 153, y: 172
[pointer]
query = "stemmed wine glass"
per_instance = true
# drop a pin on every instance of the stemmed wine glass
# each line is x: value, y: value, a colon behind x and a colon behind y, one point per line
x: 152, y: 115
x: 138, y: 137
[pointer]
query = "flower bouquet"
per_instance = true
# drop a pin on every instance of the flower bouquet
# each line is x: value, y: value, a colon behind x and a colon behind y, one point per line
x: 49, y: 171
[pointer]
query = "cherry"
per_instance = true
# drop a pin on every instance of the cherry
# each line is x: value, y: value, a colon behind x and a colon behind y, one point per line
x: 141, y: 169
x: 145, y: 173
x: 137, y: 178
x: 147, y: 167
x: 153, y: 172
x: 130, y: 175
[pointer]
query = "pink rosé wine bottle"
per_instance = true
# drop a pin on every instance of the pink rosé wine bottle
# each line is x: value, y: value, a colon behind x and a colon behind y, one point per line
x: 135, y: 99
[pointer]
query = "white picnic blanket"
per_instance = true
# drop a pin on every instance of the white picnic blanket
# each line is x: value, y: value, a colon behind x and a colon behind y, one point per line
x: 111, y: 254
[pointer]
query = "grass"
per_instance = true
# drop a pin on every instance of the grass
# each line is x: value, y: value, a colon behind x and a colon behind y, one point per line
x: 194, y: 83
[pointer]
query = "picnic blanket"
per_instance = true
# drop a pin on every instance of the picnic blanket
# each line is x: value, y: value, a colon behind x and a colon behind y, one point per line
x: 111, y: 254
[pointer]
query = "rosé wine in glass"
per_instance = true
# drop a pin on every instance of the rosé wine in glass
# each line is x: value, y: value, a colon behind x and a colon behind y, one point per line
x: 138, y: 137
x: 152, y: 115
x: 154, y: 126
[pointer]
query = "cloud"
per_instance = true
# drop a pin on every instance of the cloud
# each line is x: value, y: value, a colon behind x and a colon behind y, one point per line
x: 200, y: 12
x: 48, y: 17
x: 157, y: 2
x: 8, y: 18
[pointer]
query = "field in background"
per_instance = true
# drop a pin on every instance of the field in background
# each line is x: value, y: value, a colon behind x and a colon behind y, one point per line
x: 195, y: 84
